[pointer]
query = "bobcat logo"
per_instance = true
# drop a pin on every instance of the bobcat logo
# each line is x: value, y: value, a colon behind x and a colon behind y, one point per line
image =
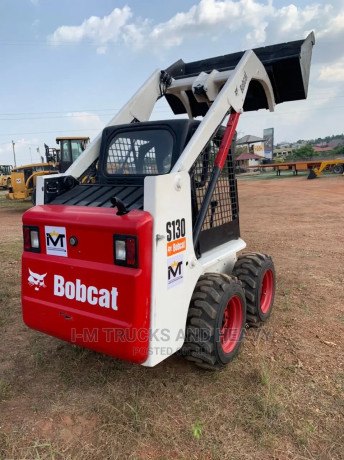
x: 36, y: 280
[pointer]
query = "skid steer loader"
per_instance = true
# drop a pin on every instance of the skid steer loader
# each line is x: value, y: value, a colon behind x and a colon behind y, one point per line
x: 141, y: 259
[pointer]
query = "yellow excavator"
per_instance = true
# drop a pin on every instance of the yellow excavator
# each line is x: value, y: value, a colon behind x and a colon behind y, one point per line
x: 58, y: 159
x: 5, y: 176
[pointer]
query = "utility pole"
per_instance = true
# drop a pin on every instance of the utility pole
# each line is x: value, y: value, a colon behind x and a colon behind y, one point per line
x: 14, y: 153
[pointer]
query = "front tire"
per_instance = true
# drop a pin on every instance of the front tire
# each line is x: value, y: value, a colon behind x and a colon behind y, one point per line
x: 257, y: 274
x: 216, y: 321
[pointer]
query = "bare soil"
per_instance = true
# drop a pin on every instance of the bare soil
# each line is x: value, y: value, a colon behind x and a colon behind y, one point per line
x: 282, y: 398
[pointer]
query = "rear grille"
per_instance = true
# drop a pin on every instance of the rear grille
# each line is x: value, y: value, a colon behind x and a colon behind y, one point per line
x: 100, y: 195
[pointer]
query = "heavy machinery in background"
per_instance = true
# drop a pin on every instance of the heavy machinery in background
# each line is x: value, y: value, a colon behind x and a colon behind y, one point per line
x: 5, y: 176
x: 336, y: 166
x: 58, y: 159
x: 142, y: 258
x: 70, y: 150
x: 315, y: 167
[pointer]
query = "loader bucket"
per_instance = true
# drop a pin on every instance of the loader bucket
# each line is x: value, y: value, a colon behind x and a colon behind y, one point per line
x: 287, y: 64
x: 312, y: 175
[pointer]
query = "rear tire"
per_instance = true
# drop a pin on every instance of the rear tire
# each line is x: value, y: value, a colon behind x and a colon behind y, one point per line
x: 216, y: 321
x: 338, y: 169
x: 257, y: 274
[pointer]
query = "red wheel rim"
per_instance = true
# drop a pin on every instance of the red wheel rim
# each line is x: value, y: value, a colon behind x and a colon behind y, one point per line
x: 266, y: 291
x: 231, y: 324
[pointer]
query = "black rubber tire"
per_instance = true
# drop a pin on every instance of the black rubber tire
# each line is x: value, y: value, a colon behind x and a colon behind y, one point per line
x: 205, y: 321
x: 250, y: 269
x: 338, y: 169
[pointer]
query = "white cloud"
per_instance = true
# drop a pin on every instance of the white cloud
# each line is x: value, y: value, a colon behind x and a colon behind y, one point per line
x: 259, y: 20
x: 255, y: 23
x: 293, y: 19
x: 207, y: 18
x: 98, y: 30
x: 333, y: 73
x: 333, y: 27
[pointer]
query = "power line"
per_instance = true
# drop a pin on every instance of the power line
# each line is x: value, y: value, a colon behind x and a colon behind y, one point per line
x: 61, y: 111
x: 156, y: 111
x: 68, y: 115
x: 49, y: 132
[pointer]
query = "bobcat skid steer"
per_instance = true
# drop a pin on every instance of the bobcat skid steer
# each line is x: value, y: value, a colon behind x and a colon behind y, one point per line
x: 141, y: 259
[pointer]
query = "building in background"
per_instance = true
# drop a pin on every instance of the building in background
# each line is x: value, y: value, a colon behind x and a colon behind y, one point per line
x: 253, y: 153
x: 246, y: 159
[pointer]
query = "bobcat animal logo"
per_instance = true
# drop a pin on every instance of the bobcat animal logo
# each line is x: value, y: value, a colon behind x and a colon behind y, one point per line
x: 36, y: 280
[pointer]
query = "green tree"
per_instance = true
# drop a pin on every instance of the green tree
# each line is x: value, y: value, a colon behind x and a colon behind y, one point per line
x: 304, y: 153
x: 338, y: 150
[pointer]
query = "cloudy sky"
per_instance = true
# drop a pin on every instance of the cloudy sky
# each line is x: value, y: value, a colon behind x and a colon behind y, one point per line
x: 68, y: 66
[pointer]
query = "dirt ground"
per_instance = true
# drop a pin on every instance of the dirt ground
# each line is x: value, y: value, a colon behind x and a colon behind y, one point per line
x: 282, y: 398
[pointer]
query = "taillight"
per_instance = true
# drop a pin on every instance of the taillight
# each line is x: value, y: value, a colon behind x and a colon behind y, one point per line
x: 125, y: 251
x: 31, y: 239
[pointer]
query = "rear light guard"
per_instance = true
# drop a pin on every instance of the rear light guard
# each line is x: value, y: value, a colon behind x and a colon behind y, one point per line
x: 31, y: 239
x: 125, y: 250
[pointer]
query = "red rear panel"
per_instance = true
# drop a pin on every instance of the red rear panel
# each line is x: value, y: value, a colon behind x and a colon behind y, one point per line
x: 76, y: 292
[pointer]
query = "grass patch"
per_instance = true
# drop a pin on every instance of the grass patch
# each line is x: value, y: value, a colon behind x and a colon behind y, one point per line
x: 281, y: 398
x: 18, y: 205
x: 10, y: 255
x: 5, y: 389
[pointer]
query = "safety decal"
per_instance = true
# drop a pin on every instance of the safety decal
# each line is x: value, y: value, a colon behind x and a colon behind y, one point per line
x: 174, y: 271
x: 56, y: 241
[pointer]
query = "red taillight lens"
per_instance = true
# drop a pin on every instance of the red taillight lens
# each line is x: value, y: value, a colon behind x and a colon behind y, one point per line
x: 125, y: 251
x: 131, y: 251
x: 31, y: 239
x: 27, y: 239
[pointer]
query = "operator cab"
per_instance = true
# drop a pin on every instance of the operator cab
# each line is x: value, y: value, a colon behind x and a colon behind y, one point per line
x: 5, y: 170
x: 70, y: 149
x: 128, y: 153
x: 132, y: 152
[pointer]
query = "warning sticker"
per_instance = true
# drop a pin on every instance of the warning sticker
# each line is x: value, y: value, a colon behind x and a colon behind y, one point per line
x: 174, y: 271
x: 174, y: 247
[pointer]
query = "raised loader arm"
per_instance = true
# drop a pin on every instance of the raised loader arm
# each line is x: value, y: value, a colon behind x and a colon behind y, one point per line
x: 242, y: 81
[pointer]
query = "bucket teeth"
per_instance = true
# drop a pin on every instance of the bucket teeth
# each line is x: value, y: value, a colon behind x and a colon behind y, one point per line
x: 311, y: 174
